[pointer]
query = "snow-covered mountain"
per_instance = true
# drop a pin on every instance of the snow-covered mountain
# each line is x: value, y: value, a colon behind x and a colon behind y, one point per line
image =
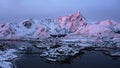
x: 101, y: 28
x: 74, y: 23
x: 7, y: 31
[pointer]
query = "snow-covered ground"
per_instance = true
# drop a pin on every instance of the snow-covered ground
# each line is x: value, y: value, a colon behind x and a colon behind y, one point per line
x: 6, y: 57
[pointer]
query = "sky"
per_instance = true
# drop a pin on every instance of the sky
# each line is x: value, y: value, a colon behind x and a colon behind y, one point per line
x: 92, y: 10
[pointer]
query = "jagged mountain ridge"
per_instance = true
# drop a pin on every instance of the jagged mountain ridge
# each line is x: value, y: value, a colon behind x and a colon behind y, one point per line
x: 74, y: 23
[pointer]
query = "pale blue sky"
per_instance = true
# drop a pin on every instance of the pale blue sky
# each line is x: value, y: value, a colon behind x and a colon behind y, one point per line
x: 92, y: 10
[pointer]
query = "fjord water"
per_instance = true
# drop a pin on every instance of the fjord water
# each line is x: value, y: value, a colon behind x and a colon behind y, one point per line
x: 90, y: 59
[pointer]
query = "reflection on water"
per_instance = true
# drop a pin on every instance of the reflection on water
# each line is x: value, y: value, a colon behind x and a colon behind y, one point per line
x: 91, y: 59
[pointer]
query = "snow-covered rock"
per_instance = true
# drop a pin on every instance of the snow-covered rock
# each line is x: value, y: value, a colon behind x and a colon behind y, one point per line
x: 6, y: 57
x: 6, y: 31
x: 72, y: 22
x: 61, y: 53
x: 30, y: 28
x: 6, y: 65
x: 95, y: 30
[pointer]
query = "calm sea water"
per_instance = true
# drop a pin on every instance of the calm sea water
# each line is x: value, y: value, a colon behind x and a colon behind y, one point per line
x: 91, y: 59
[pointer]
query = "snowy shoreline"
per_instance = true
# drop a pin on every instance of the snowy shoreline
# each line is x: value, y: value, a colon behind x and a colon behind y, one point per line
x: 6, y: 58
x: 55, y: 53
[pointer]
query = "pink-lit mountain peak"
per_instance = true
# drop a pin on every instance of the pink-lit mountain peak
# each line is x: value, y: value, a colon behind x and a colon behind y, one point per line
x: 72, y: 22
x: 74, y: 16
x: 71, y: 18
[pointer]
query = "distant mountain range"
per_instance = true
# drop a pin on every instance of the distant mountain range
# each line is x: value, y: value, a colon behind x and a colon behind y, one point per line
x: 73, y: 24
